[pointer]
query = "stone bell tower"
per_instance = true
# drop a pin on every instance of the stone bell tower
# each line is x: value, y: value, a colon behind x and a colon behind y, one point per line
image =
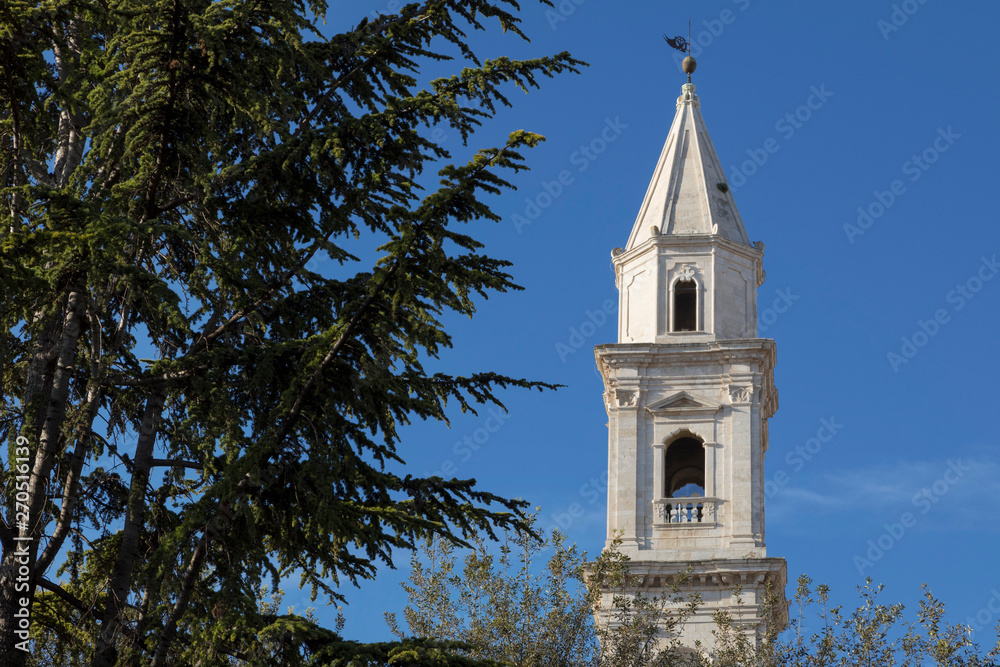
x: 689, y: 388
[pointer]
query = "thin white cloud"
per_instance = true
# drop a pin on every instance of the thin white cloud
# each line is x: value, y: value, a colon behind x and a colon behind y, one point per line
x: 959, y: 492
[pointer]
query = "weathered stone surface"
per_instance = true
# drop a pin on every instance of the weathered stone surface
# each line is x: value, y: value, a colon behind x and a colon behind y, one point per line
x: 684, y: 195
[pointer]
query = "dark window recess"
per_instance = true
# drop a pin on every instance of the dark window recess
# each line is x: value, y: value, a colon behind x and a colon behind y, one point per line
x: 684, y: 469
x: 686, y: 306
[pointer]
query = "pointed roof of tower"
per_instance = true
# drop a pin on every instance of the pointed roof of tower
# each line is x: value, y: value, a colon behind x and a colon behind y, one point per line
x: 688, y: 193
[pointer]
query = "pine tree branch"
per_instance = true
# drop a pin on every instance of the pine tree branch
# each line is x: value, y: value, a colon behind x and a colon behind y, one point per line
x: 176, y: 463
x: 83, y: 430
x: 69, y: 498
x: 70, y: 140
x: 50, y: 437
x: 75, y: 602
x: 191, y: 574
x: 348, y: 330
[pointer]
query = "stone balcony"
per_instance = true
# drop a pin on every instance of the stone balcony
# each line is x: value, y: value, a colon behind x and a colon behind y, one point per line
x: 684, y: 511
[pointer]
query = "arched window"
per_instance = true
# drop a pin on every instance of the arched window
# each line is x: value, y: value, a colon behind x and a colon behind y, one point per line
x: 684, y: 469
x: 685, y: 305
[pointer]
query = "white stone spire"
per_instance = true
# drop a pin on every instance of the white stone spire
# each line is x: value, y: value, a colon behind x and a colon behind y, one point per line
x: 689, y: 389
x: 688, y: 193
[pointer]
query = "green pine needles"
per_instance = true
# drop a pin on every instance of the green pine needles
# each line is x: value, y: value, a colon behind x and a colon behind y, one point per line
x: 209, y: 374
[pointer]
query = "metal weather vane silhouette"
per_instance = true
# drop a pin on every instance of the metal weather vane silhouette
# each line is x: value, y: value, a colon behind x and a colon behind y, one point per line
x: 679, y: 43
x: 684, y: 46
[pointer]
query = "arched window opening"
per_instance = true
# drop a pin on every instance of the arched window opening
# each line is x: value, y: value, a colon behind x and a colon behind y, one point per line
x: 684, y: 469
x: 686, y: 305
x: 690, y: 490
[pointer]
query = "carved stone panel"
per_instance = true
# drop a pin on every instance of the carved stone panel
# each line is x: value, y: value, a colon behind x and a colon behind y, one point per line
x: 740, y: 394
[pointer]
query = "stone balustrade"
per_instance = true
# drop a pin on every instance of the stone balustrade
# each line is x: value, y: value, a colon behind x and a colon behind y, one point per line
x: 684, y: 511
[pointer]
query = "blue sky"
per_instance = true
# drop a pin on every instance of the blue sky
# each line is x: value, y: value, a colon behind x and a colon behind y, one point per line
x: 902, y: 134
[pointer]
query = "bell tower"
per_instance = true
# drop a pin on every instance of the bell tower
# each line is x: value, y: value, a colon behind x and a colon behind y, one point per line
x: 689, y: 387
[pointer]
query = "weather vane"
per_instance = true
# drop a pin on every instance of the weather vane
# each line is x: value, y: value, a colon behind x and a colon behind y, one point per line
x: 684, y: 46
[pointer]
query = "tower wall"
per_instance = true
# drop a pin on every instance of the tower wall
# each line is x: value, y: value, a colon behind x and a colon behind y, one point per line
x: 717, y: 392
x: 726, y: 273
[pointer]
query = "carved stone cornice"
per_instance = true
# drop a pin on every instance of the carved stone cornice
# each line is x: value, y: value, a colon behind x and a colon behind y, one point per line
x: 732, y: 351
x: 716, y: 573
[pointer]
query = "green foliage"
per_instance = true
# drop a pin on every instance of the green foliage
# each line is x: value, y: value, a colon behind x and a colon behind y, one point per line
x: 873, y: 635
x: 507, y: 606
x: 208, y: 364
x: 510, y: 608
x: 511, y: 611
x: 636, y: 629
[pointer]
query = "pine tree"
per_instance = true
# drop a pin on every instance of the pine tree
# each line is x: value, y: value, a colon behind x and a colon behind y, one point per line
x: 192, y: 409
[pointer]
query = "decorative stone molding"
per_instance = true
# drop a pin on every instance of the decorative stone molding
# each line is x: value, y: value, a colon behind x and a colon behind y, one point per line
x: 685, y: 272
x: 683, y: 431
x: 609, y: 366
x: 626, y: 398
x: 688, y: 95
x: 711, y: 511
x: 683, y: 404
x: 759, y: 263
x: 740, y: 394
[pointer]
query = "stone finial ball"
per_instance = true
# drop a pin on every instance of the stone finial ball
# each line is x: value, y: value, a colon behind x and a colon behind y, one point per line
x: 689, y: 65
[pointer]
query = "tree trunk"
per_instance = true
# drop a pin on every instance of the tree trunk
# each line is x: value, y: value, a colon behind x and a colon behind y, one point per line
x: 17, y: 576
x: 119, y: 586
x: 187, y: 586
x: 9, y: 655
